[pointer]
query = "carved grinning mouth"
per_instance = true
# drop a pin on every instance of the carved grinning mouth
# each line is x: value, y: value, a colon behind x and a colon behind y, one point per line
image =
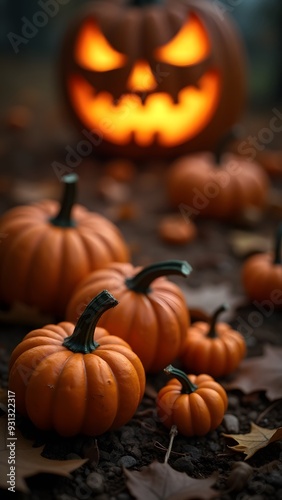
x: 157, y: 119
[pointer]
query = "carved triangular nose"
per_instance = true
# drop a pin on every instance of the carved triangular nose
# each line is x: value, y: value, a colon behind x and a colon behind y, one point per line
x: 141, y: 78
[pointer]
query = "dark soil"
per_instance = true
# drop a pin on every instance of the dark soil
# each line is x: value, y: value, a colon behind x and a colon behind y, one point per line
x: 137, y: 208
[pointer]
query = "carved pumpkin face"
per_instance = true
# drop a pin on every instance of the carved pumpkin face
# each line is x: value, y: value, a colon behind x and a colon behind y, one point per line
x: 150, y: 80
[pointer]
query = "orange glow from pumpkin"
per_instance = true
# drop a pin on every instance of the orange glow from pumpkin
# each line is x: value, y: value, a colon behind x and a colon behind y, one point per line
x: 189, y: 46
x: 94, y: 52
x: 158, y: 118
x: 141, y: 78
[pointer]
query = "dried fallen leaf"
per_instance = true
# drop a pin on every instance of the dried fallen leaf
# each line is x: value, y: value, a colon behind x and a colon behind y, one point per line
x: 161, y: 481
x: 210, y: 297
x: 258, y: 438
x: 239, y: 476
x: 28, y: 460
x: 244, y: 243
x: 262, y: 373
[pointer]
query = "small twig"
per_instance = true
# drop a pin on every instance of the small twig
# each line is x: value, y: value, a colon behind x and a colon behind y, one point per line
x: 268, y: 409
x: 160, y: 446
x: 173, y: 433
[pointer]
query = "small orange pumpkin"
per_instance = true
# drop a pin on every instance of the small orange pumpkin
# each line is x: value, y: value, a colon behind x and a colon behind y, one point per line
x: 74, y: 379
x: 262, y: 275
x: 195, y: 404
x: 152, y: 315
x: 213, y: 348
x: 201, y: 188
x: 49, y: 249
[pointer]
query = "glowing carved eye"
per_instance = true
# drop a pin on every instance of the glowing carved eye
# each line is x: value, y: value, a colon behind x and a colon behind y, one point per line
x: 94, y: 52
x: 189, y: 46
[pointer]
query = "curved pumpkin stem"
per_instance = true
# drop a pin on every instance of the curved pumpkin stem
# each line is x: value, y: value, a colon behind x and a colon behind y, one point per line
x: 63, y: 219
x: 212, y: 331
x: 140, y: 283
x: 277, y: 252
x: 82, y: 339
x: 187, y: 386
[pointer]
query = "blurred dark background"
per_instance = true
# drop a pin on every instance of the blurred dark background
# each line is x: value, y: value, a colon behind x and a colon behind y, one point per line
x: 260, y: 23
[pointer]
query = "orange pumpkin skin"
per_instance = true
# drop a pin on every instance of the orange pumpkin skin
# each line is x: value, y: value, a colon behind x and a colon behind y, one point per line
x: 222, y: 191
x: 262, y: 280
x: 194, y: 414
x: 195, y: 91
x: 218, y: 355
x: 154, y: 322
x: 72, y: 392
x: 261, y: 274
x: 41, y: 263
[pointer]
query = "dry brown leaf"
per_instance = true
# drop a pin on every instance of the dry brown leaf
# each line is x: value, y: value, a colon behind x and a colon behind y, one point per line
x: 258, y: 438
x: 239, y: 476
x: 28, y: 460
x: 262, y: 373
x: 161, y: 481
x: 210, y: 297
x: 244, y: 243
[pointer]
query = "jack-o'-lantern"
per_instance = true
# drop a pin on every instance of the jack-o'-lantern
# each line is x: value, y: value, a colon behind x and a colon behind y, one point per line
x: 158, y: 80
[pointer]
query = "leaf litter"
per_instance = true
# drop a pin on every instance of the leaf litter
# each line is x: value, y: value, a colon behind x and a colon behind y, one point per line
x: 29, y: 460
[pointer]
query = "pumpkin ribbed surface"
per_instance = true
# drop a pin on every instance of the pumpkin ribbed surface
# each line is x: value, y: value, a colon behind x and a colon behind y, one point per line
x: 194, y: 414
x: 217, y: 191
x: 41, y: 263
x: 153, y: 322
x: 216, y: 356
x: 74, y: 392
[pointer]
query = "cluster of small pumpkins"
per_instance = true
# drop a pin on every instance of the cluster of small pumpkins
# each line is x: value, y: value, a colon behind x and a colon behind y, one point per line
x: 223, y: 189
x: 77, y: 377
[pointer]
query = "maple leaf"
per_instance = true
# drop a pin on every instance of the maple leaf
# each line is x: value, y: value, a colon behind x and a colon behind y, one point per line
x: 161, y: 481
x: 261, y: 373
x: 258, y: 438
x: 28, y: 460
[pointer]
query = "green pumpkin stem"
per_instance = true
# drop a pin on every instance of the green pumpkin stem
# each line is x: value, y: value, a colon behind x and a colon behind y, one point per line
x: 140, y: 283
x: 63, y: 219
x: 187, y: 386
x: 212, y: 331
x: 277, y: 252
x: 82, y: 339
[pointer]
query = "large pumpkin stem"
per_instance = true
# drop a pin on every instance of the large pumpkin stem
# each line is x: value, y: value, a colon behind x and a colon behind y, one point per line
x: 82, y: 339
x: 212, y: 331
x: 63, y: 219
x: 277, y: 254
x: 140, y: 283
x: 187, y: 386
